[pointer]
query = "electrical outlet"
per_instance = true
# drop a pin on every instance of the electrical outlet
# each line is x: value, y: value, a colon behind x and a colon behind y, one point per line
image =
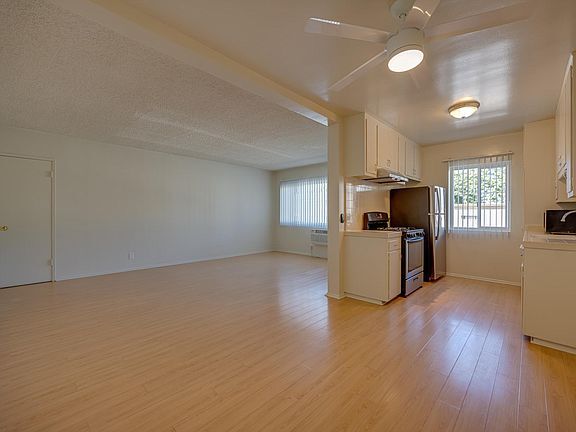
x: 131, y: 256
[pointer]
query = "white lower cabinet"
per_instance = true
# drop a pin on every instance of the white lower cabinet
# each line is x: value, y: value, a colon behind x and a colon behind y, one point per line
x: 549, y: 297
x: 372, y: 266
x: 394, y: 273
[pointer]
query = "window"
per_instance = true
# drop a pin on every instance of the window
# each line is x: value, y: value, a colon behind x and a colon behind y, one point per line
x: 480, y: 194
x: 304, y: 202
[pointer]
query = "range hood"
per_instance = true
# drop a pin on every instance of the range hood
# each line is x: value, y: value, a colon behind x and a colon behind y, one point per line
x: 386, y: 177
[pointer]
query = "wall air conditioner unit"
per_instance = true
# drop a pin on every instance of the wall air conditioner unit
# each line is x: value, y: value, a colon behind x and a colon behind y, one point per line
x: 319, y: 243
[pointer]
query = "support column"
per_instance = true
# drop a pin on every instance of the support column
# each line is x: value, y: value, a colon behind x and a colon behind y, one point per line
x: 335, y: 209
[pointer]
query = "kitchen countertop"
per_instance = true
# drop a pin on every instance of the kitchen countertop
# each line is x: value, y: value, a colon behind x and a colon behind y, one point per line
x: 373, y: 233
x: 536, y: 238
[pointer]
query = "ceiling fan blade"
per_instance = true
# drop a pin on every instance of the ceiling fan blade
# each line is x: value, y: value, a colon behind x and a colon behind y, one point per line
x: 420, y: 13
x: 358, y: 72
x: 339, y: 29
x: 474, y: 23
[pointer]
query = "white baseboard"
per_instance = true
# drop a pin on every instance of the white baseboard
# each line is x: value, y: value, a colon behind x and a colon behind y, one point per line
x: 553, y: 345
x: 169, y: 264
x: 483, y: 279
x: 298, y: 253
x: 335, y: 296
x: 366, y: 299
x: 292, y: 252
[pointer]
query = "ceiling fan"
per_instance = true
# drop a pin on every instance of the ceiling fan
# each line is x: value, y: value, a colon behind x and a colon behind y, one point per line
x: 404, y: 45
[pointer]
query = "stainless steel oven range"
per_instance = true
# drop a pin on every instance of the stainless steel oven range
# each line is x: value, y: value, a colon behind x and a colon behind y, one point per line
x: 412, y: 258
x: 412, y: 249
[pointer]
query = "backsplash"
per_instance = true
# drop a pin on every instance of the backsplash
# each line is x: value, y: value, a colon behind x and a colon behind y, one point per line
x: 362, y: 197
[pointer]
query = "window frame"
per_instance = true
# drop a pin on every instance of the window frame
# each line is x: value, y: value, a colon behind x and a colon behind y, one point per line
x: 479, y: 165
x: 305, y: 224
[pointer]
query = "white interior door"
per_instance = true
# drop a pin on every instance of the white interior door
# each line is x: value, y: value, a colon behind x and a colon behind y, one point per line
x: 25, y: 221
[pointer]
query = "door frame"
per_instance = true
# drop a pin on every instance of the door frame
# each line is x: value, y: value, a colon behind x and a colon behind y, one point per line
x: 52, y: 206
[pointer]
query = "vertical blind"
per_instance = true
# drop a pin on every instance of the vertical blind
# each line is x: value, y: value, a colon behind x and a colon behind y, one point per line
x: 304, y: 202
x: 479, y: 192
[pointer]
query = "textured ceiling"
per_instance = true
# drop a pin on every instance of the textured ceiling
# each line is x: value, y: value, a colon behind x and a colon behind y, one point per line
x: 64, y: 74
x: 514, y: 70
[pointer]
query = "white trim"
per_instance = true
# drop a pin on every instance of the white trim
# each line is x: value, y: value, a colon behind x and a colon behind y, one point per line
x: 19, y: 156
x: 478, y: 165
x: 365, y: 299
x: 553, y: 345
x: 291, y: 252
x: 478, y: 157
x: 176, y: 263
x: 335, y: 297
x: 483, y: 279
x: 52, y: 205
x: 297, y: 253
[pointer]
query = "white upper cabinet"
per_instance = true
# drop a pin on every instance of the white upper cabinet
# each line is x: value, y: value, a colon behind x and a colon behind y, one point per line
x: 565, y: 138
x: 388, y: 148
x: 560, y: 134
x: 417, y: 162
x: 371, y: 145
x: 361, y: 146
x: 402, y: 154
x: 412, y: 160
x: 371, y: 128
x: 570, y: 145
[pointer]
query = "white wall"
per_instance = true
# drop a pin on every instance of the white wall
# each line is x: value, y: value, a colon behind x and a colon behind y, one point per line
x: 488, y: 256
x: 168, y: 209
x: 293, y: 239
x: 540, y: 171
x: 362, y: 197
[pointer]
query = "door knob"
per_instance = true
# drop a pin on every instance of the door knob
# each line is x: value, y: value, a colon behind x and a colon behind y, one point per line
x: 3, y: 228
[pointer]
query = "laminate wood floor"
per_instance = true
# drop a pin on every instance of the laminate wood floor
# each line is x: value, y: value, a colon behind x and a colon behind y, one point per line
x: 252, y: 344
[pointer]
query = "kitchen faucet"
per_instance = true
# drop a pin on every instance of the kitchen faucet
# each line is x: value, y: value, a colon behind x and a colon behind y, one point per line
x: 566, y: 215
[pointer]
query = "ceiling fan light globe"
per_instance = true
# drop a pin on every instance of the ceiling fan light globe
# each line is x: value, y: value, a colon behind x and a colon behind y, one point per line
x: 406, y: 58
x: 406, y: 50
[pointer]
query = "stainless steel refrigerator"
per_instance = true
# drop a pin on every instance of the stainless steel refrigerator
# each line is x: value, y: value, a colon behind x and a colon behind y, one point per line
x: 423, y: 207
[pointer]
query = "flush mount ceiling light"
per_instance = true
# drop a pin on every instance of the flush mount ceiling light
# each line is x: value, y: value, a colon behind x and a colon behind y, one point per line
x: 406, y: 50
x: 464, y: 109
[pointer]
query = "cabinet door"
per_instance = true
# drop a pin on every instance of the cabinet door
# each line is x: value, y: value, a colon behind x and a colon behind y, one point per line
x: 560, y: 138
x: 394, y: 273
x: 387, y: 148
x: 410, y: 149
x: 417, y: 162
x: 562, y: 129
x: 569, y: 157
x: 371, y: 145
x: 402, y: 154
